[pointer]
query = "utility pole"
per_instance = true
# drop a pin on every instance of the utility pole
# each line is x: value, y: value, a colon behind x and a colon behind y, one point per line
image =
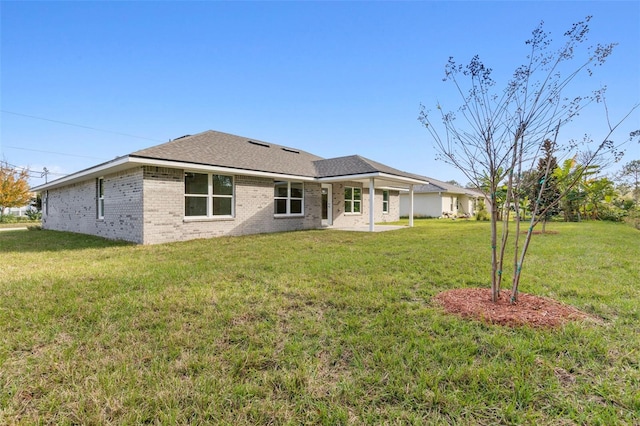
x: 45, y: 172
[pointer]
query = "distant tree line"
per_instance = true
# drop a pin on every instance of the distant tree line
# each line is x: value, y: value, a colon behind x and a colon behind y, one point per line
x: 595, y: 196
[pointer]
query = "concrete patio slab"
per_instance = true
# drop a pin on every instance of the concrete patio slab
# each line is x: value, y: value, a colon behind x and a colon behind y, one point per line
x: 365, y: 228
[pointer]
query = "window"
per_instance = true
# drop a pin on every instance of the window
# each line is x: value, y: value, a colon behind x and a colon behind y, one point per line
x: 385, y: 201
x: 100, y: 190
x: 288, y: 197
x: 208, y: 195
x: 352, y: 199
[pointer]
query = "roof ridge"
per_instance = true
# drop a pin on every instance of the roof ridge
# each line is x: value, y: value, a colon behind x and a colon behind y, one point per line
x: 185, y: 138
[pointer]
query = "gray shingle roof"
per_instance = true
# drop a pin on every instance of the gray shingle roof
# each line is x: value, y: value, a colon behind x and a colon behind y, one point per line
x: 225, y: 150
x: 435, y: 185
x: 222, y: 149
x: 219, y: 149
x: 354, y: 165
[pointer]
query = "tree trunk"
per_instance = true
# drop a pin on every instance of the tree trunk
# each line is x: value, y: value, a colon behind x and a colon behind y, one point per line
x: 495, y: 273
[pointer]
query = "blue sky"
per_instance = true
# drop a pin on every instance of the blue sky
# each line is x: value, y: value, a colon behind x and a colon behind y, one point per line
x: 331, y: 78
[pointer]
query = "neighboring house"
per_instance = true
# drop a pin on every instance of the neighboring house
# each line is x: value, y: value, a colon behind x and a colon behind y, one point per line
x: 17, y: 211
x: 213, y: 184
x: 440, y: 199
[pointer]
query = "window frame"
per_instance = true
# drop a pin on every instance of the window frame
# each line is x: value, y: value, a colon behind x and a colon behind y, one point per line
x: 288, y: 199
x: 100, y: 197
x: 385, y: 202
x: 210, y: 196
x: 353, y: 201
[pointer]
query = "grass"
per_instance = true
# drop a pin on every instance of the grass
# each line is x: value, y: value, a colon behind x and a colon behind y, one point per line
x: 21, y: 224
x: 314, y: 327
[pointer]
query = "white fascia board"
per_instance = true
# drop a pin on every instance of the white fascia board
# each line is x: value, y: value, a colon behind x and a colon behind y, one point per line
x: 216, y: 169
x: 123, y: 163
x: 343, y: 178
x: 380, y: 175
x: 119, y: 163
x: 393, y: 188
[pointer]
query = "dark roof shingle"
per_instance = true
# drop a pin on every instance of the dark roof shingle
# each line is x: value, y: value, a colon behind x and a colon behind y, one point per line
x: 355, y: 165
x: 435, y: 185
x: 225, y: 150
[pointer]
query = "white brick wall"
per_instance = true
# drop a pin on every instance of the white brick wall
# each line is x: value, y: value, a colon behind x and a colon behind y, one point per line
x: 164, y: 219
x: 394, y: 207
x: 146, y: 205
x: 74, y: 208
x: 340, y: 219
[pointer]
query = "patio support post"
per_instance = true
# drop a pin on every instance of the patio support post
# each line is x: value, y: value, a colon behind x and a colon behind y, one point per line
x: 411, y: 206
x: 372, y: 196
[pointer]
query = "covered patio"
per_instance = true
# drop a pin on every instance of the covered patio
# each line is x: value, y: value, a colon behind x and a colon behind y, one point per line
x: 372, y: 176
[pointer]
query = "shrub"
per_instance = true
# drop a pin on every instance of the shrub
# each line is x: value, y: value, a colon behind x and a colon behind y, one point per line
x: 8, y: 218
x: 31, y: 216
x: 482, y: 213
x: 34, y: 215
x: 612, y: 213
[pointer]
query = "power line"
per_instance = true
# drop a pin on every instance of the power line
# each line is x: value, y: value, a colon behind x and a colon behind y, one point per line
x: 57, y: 153
x: 79, y: 125
x: 32, y: 173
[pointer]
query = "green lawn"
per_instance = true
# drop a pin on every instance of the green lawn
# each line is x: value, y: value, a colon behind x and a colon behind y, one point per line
x: 315, y: 327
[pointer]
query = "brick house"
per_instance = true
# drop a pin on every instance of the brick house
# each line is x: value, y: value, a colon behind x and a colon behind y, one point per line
x: 213, y: 184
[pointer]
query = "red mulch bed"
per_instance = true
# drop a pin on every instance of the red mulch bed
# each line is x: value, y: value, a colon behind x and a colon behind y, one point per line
x: 534, y: 311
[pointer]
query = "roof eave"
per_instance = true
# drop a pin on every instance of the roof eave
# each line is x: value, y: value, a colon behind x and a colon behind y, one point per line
x: 386, y: 176
x: 143, y: 161
x: 125, y: 162
x: 120, y: 163
x: 128, y: 161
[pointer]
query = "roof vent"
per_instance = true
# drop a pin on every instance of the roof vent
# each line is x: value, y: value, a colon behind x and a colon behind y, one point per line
x: 181, y: 137
x: 291, y: 150
x: 259, y: 144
